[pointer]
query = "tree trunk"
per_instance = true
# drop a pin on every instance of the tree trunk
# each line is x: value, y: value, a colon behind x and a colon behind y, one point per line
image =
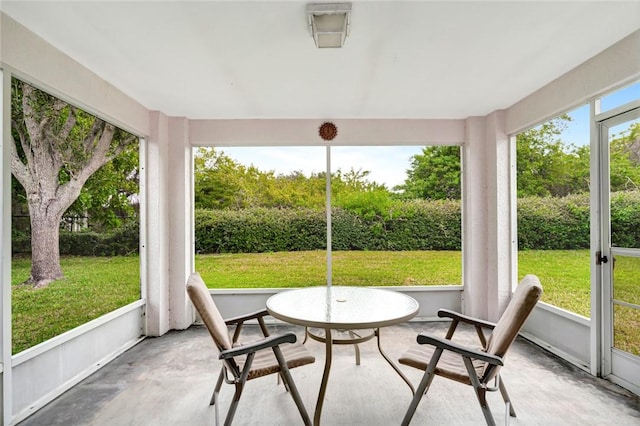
x: 45, y: 250
x: 47, y: 146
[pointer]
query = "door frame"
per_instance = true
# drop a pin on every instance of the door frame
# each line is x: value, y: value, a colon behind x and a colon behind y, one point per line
x: 601, y: 309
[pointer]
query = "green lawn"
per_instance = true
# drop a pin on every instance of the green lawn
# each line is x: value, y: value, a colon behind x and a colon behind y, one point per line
x: 95, y: 286
x: 564, y: 274
x: 309, y: 268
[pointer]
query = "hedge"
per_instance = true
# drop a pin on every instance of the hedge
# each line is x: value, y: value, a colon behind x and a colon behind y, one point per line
x: 553, y: 223
x: 121, y: 242
x: 543, y: 224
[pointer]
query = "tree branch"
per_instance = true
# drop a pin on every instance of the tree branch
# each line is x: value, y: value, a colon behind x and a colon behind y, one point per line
x: 99, y: 156
x: 18, y: 168
x: 125, y: 142
x: 96, y: 129
x: 25, y: 142
x: 33, y: 127
x: 68, y: 125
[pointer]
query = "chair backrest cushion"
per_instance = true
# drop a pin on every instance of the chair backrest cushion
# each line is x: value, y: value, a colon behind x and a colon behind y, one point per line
x: 521, y: 305
x: 206, y: 307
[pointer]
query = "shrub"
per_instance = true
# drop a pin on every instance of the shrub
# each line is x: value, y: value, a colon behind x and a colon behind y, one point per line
x: 625, y: 219
x: 543, y: 224
x: 547, y: 223
x: 121, y: 242
x: 415, y: 225
x: 258, y: 230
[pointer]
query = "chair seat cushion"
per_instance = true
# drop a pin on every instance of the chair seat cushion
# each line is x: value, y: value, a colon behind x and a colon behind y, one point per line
x: 265, y: 361
x: 450, y: 364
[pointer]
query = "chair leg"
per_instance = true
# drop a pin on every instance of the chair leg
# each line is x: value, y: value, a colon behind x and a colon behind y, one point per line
x: 290, y: 384
x: 482, y: 398
x: 423, y: 387
x: 481, y: 392
x: 214, y: 396
x: 216, y: 390
x: 239, y: 383
x: 286, y: 386
x: 505, y: 397
x: 234, y: 403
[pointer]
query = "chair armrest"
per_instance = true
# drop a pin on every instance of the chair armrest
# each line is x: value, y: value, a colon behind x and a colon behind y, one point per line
x: 425, y: 339
x: 265, y: 343
x: 243, y: 318
x: 446, y: 313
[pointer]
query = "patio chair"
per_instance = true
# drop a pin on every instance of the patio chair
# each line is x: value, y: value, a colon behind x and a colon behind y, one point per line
x: 479, y: 368
x: 243, y: 362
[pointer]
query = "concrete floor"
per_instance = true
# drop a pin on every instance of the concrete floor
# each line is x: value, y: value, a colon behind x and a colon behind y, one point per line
x: 168, y: 381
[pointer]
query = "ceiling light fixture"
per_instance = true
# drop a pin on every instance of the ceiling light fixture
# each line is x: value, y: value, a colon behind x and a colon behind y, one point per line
x: 329, y: 23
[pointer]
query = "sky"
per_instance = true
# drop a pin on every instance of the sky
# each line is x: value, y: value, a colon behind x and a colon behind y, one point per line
x: 388, y: 164
x: 578, y: 130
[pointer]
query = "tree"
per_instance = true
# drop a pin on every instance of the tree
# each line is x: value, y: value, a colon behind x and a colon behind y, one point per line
x: 111, y: 193
x: 624, y: 158
x: 223, y: 183
x: 547, y: 166
x: 434, y: 174
x: 55, y: 148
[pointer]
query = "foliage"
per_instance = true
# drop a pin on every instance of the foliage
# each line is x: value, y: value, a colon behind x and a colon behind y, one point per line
x: 546, y: 166
x: 545, y: 223
x: 625, y: 219
x: 223, y: 183
x: 624, y: 154
x: 434, y: 174
x: 111, y: 193
x: 259, y: 230
x: 107, y: 193
x: 55, y: 148
x: 542, y: 159
x: 123, y: 241
x: 549, y: 167
x: 414, y: 225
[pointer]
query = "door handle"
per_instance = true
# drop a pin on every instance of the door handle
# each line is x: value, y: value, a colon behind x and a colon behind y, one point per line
x: 600, y: 259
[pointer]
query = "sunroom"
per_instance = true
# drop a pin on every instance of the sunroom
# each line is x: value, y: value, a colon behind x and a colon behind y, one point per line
x: 247, y: 75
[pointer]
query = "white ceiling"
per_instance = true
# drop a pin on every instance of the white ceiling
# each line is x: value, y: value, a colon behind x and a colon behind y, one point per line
x: 417, y: 59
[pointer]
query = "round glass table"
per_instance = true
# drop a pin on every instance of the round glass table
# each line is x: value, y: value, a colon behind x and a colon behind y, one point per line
x: 342, y: 308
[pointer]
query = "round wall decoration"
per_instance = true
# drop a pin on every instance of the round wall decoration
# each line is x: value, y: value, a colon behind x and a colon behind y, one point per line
x: 327, y: 131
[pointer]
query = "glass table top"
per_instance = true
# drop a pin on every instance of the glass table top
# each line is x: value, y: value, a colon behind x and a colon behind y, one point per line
x: 342, y: 307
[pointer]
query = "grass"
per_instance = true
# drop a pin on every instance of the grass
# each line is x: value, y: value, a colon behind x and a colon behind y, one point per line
x: 95, y: 286
x: 309, y: 268
x: 92, y: 287
x: 627, y: 320
x: 564, y: 273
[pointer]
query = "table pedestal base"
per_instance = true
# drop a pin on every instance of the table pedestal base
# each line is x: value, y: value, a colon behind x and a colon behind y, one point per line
x: 355, y: 337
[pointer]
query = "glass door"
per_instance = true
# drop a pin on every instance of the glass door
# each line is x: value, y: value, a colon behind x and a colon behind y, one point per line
x: 620, y: 254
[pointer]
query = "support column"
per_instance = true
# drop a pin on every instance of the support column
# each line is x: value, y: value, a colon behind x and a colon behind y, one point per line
x: 157, y: 225
x: 501, y: 240
x: 181, y: 241
x: 487, y: 216
x: 6, y: 403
